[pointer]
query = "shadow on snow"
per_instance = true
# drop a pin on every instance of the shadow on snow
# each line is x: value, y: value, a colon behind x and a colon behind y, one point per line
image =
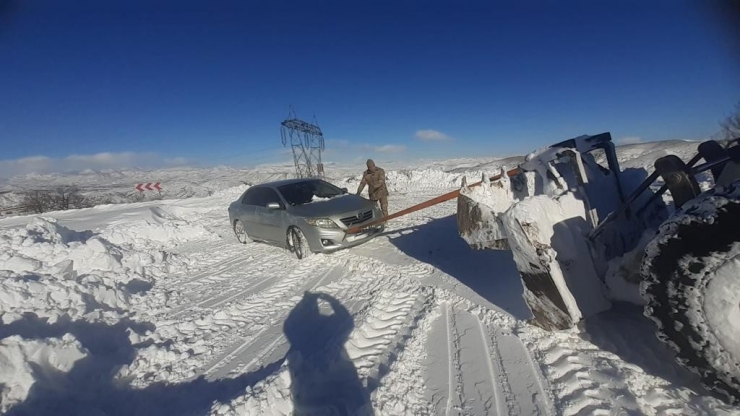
x: 89, y: 387
x: 624, y: 331
x: 322, y: 374
x: 490, y: 273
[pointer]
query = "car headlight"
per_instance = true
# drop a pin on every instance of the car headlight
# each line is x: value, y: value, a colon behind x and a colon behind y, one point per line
x: 322, y: 222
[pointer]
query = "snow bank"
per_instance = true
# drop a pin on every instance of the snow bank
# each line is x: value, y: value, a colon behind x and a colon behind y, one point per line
x: 404, y: 180
x: 159, y: 226
x: 50, y: 270
x: 52, y: 277
x: 23, y: 362
x: 231, y: 193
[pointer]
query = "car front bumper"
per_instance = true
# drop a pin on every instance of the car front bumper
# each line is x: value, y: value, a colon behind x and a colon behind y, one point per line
x: 322, y: 240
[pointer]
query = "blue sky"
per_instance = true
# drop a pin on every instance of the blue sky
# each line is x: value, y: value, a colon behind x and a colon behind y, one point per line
x: 91, y: 84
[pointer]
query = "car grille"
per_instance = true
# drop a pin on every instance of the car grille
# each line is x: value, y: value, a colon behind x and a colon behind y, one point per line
x: 354, y: 220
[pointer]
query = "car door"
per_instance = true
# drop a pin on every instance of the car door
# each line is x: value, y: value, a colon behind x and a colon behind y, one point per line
x: 270, y: 221
x: 246, y: 212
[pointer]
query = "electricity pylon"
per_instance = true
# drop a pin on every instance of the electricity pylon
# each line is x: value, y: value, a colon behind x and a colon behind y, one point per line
x: 307, y: 142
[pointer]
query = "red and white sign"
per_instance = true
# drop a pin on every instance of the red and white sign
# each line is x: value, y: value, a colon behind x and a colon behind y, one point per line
x: 148, y: 186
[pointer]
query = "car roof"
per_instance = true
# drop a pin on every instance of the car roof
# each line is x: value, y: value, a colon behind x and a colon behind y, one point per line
x: 275, y: 184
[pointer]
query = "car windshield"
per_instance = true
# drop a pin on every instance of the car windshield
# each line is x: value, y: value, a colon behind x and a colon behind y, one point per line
x: 305, y: 192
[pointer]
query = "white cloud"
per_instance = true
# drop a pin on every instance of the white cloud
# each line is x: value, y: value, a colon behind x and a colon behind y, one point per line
x: 629, y: 140
x: 432, y: 135
x: 347, y: 147
x: 337, y: 142
x: 390, y: 148
x: 76, y: 163
x: 386, y: 148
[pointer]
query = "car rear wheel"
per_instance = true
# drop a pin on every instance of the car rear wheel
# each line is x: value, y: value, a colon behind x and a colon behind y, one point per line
x: 297, y: 243
x: 241, y: 233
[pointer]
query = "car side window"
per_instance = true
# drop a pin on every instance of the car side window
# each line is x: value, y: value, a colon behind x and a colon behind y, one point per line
x: 251, y: 197
x: 268, y: 196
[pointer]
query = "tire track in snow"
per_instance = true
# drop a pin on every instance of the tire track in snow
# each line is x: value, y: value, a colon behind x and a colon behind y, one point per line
x: 267, y: 346
x: 479, y: 368
x: 452, y: 364
x: 215, y: 333
x: 373, y: 345
x: 523, y: 383
x: 585, y: 384
x: 442, y: 367
x: 211, y: 267
x: 383, y: 303
x: 586, y: 379
x: 481, y: 384
x: 237, y: 255
x: 222, y: 364
x: 210, y: 302
x: 272, y: 335
x: 230, y: 263
x: 222, y: 255
x: 403, y: 389
x: 530, y: 387
x: 390, y: 314
x: 514, y: 384
x: 232, y: 283
x: 474, y: 381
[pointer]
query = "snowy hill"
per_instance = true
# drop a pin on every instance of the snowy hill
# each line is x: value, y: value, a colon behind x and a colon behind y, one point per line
x: 117, y: 186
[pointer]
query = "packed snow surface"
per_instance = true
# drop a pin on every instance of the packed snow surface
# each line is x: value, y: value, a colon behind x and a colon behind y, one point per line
x: 155, y: 308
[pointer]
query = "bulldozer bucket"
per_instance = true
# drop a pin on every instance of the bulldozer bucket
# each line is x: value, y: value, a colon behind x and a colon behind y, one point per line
x: 479, y: 208
x: 560, y: 282
x: 545, y: 234
x: 478, y: 225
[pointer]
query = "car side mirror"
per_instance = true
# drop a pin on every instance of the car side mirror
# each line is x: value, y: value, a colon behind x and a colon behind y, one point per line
x: 345, y: 190
x: 273, y: 205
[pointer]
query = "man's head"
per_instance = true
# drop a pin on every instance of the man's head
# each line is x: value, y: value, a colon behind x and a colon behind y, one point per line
x: 370, y: 165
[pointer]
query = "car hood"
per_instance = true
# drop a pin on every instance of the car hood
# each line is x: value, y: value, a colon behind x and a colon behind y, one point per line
x: 337, y: 205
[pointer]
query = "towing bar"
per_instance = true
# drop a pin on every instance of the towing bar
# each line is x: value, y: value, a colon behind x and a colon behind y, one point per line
x: 438, y: 200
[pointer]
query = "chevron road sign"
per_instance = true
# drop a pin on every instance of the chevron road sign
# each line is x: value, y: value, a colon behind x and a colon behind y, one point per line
x: 148, y: 186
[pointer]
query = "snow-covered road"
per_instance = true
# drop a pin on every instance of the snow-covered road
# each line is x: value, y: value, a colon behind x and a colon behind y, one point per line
x: 159, y: 310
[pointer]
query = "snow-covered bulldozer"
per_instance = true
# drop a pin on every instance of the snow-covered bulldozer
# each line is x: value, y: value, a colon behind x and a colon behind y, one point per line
x: 584, y: 233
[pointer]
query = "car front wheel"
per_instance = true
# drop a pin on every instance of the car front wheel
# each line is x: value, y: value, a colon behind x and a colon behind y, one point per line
x: 241, y: 232
x: 297, y: 243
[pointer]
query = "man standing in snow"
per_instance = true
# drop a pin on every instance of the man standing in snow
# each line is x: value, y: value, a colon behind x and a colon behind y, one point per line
x: 374, y: 178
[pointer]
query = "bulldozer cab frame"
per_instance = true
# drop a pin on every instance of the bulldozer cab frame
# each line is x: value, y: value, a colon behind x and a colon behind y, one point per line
x: 588, y: 145
x: 573, y: 165
x: 679, y: 178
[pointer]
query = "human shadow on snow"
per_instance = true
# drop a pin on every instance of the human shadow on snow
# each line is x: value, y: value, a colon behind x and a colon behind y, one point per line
x: 492, y: 274
x: 324, y: 379
x: 89, y: 388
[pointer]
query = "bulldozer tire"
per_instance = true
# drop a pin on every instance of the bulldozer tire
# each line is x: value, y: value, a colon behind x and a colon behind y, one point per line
x: 691, y: 282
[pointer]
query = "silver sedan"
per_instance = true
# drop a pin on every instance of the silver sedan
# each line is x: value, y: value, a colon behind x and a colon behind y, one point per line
x: 303, y: 215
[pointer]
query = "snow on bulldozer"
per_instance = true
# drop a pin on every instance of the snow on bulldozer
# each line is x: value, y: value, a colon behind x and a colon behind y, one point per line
x: 584, y: 233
